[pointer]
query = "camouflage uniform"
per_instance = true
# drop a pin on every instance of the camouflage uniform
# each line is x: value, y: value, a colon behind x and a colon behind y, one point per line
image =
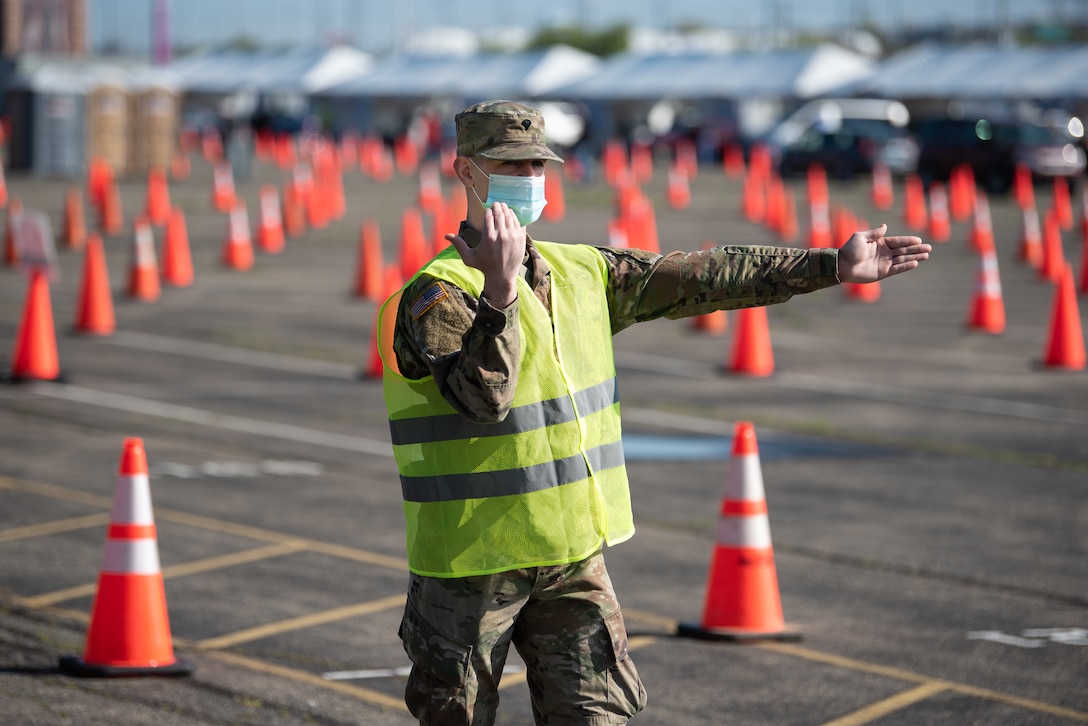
x: 564, y: 620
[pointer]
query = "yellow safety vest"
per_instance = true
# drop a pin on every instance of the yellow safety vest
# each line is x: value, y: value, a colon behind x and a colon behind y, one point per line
x: 546, y: 485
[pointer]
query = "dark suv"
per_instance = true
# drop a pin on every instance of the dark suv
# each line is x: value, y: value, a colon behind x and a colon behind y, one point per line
x: 993, y: 147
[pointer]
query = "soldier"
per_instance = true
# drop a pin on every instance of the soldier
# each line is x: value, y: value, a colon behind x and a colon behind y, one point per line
x: 505, y: 426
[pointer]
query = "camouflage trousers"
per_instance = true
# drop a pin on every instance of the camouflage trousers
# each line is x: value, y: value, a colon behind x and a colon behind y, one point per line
x: 563, y: 620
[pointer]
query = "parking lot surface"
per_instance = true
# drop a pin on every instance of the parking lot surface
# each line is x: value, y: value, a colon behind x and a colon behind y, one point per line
x: 927, y: 483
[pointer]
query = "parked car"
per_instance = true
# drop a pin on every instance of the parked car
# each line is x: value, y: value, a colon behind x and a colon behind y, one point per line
x: 993, y: 145
x: 846, y: 136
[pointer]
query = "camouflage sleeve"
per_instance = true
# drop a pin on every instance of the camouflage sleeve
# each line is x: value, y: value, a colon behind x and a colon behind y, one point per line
x: 472, y: 349
x: 646, y: 286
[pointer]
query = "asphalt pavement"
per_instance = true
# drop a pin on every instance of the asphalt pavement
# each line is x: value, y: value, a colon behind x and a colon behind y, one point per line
x: 927, y: 483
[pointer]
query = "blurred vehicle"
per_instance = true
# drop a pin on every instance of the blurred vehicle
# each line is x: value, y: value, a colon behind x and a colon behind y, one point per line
x: 993, y: 145
x: 846, y: 136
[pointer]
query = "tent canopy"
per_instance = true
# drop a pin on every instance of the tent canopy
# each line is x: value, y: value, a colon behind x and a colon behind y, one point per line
x: 487, y: 75
x: 785, y: 73
x: 981, y: 71
x: 303, y: 71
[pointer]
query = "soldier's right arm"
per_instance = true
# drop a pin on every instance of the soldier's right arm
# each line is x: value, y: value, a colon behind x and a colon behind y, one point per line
x: 470, y: 348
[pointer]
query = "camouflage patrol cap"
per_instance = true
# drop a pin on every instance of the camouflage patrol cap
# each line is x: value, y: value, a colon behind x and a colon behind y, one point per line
x: 502, y: 130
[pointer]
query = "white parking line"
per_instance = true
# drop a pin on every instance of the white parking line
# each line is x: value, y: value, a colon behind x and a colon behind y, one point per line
x: 202, y: 417
x: 231, y: 354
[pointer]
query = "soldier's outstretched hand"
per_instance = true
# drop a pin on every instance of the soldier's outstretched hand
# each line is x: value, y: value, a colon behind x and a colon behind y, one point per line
x: 870, y: 256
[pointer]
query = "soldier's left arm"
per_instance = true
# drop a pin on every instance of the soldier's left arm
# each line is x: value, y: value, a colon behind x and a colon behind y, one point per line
x: 645, y: 286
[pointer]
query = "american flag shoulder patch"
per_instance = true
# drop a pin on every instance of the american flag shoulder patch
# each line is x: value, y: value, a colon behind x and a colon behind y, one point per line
x: 430, y: 297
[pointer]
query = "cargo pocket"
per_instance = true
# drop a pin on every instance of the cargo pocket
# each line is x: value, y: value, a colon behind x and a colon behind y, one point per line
x: 626, y: 694
x: 429, y: 650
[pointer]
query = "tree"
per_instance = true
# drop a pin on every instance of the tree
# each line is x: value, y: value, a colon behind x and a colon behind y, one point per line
x: 604, y: 43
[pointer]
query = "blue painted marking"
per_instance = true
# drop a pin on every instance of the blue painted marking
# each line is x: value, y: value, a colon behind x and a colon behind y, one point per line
x: 648, y: 447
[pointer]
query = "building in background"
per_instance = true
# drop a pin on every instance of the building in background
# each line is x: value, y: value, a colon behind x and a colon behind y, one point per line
x: 44, y: 27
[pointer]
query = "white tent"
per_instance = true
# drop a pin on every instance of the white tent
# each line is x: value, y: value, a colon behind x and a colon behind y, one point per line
x: 981, y: 72
x: 303, y: 71
x: 488, y: 75
x: 771, y: 74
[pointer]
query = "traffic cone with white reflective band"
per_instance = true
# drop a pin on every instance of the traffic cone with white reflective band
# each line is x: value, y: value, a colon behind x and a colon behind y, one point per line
x: 940, y: 219
x: 238, y: 248
x: 882, y: 193
x: 742, y: 599
x: 987, y: 311
x: 143, y: 276
x: 1031, y: 238
x: 129, y: 631
x: 270, y: 235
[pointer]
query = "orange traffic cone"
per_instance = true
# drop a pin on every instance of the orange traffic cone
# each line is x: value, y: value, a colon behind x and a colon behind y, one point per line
x: 430, y: 187
x: 370, y: 267
x: 678, y: 188
x: 863, y: 292
x: 642, y: 162
x: 961, y: 195
x: 113, y: 219
x: 982, y: 230
x: 987, y: 311
x: 733, y: 161
x: 1023, y: 189
x: 413, y: 244
x: 686, y: 157
x: 752, y: 354
x: 775, y: 209
x: 294, y: 219
x: 713, y: 323
x: 444, y: 223
x: 843, y: 225
x: 819, y: 204
x: 223, y: 196
x: 1063, y: 205
x: 643, y: 217
x: 742, y: 598
x: 99, y: 178
x: 95, y: 312
x: 556, y: 209
x: 238, y: 249
x: 914, y: 200
x: 1065, y: 344
x: 270, y: 231
x: 158, y: 198
x: 129, y: 631
x: 75, y: 224
x: 1053, y: 255
x: 177, y: 259
x: 787, y: 231
x: 753, y: 196
x: 882, y: 194
x: 143, y: 279
x: 1031, y: 238
x: 35, y: 356
x: 940, y: 220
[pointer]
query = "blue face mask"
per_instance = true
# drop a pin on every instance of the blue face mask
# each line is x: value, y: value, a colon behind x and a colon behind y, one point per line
x: 523, y: 194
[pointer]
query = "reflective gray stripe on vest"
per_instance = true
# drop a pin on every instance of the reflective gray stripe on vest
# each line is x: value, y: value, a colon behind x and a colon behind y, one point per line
x: 454, y: 487
x: 530, y: 417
